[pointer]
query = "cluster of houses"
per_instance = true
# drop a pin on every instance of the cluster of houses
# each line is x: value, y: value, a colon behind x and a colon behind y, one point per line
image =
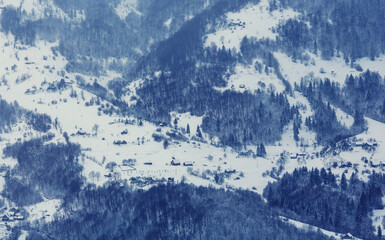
x: 12, y: 215
x: 119, y: 142
x: 366, y: 145
x: 237, y: 23
x: 80, y: 133
x: 31, y: 91
x: 176, y: 162
x: 297, y: 155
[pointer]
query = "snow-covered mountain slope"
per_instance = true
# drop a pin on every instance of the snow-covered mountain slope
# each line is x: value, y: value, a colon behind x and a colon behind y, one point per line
x: 96, y: 132
x: 252, y: 21
x: 117, y: 147
x: 259, y: 22
x: 335, y: 69
x: 34, y: 10
x: 29, y: 71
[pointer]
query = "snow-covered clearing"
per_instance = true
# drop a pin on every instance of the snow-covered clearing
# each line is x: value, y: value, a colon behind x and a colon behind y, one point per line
x: 378, y: 218
x: 344, y: 118
x: 252, y: 21
x: 126, y: 7
x: 315, y: 67
x: 44, y: 210
x: 312, y: 228
x: 248, y: 78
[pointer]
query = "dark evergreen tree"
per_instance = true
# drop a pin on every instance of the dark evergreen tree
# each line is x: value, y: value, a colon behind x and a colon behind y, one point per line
x: 165, y: 144
x: 295, y: 131
x: 344, y: 184
x: 199, y: 132
x: 261, y: 150
x: 383, y: 109
x: 358, y: 118
x: 188, y: 129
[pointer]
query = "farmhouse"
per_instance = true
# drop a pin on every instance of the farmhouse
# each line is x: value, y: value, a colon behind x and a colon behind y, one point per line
x: 129, y: 162
x: 81, y: 133
x: 175, y: 162
x: 18, y: 217
x: 188, y: 163
x: 127, y: 168
x: 170, y: 180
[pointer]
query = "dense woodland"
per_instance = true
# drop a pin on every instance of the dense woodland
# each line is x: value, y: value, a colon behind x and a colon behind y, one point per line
x: 352, y: 29
x: 102, y: 35
x: 168, y: 212
x: 12, y: 113
x: 54, y: 169
x: 316, y: 197
x: 324, y: 121
x: 361, y: 95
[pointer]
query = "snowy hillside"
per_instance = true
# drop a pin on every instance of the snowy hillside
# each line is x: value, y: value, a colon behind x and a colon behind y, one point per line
x: 207, y: 120
x: 252, y: 21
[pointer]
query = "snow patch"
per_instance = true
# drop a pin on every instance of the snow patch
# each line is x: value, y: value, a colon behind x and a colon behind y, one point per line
x: 125, y: 7
x: 167, y: 23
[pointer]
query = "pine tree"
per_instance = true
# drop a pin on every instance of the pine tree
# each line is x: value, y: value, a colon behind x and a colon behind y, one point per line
x: 383, y: 109
x: 295, y: 131
x: 261, y: 150
x: 188, y: 129
x: 199, y: 133
x: 358, y: 118
x: 165, y: 144
x: 362, y: 208
x: 379, y: 232
x: 344, y: 184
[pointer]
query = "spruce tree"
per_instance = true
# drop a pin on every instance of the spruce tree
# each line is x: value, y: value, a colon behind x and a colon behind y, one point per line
x: 199, y: 133
x: 188, y: 129
x: 344, y: 184
x: 383, y: 109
